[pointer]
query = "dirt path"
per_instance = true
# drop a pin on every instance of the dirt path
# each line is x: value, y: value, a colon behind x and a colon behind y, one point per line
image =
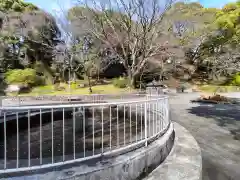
x: 216, y: 128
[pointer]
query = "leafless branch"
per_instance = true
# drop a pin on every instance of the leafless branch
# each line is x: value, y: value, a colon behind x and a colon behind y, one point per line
x: 131, y: 29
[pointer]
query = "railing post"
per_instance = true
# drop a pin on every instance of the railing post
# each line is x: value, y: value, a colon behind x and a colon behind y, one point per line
x: 167, y: 109
x: 145, y: 123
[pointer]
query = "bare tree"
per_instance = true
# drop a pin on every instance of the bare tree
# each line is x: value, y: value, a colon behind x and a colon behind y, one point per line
x: 129, y: 29
x: 79, y: 56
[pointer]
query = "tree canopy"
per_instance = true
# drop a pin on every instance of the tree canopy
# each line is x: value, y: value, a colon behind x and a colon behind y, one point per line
x: 228, y: 22
x: 196, y: 35
x: 16, y: 6
x: 27, y: 35
x: 135, y: 36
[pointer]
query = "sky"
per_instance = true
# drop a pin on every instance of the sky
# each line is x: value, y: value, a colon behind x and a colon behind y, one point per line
x: 215, y: 3
x: 53, y: 6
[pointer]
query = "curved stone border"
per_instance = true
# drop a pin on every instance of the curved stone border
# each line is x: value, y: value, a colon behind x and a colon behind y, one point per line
x: 184, y: 162
x: 129, y: 166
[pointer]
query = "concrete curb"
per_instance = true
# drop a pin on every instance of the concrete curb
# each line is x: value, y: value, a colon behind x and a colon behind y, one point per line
x: 184, y: 162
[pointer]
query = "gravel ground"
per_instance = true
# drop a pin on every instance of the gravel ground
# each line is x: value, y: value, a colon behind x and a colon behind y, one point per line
x: 217, y: 130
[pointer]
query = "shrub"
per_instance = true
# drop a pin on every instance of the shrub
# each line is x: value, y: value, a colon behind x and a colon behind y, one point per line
x: 120, y: 82
x: 24, y: 77
x: 39, y: 81
x: 17, y: 7
x: 236, y: 79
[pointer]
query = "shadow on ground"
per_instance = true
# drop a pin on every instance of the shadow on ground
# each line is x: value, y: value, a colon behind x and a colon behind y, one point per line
x: 211, y: 171
x: 227, y: 116
x: 216, y: 128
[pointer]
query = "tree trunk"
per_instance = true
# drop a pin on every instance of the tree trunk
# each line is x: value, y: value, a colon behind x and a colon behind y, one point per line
x: 132, y: 79
x: 133, y: 83
x: 89, y: 85
x: 74, y: 77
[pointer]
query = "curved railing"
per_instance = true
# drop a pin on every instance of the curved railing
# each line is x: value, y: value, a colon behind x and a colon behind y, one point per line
x: 41, y: 136
x: 56, y: 99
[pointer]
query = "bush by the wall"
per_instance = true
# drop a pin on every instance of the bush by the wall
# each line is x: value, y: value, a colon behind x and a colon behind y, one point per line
x: 24, y: 77
x: 120, y: 82
x: 40, y: 80
x: 236, y: 79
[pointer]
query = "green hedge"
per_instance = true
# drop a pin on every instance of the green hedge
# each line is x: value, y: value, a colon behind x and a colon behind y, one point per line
x: 236, y: 79
x: 23, y: 76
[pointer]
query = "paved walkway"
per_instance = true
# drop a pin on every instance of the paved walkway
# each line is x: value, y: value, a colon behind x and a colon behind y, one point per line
x: 184, y: 161
x: 216, y: 128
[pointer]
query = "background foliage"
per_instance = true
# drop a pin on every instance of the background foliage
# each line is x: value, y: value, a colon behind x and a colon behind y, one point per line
x: 36, y: 47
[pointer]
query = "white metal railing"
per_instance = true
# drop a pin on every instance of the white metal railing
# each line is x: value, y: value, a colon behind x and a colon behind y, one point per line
x: 56, y: 99
x: 41, y: 136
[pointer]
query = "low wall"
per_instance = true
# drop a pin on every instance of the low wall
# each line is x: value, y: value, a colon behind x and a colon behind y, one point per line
x: 184, y: 162
x: 129, y: 166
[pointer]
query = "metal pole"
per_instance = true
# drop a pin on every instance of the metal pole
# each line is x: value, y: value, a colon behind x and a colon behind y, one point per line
x: 5, y: 141
x: 52, y: 135
x: 40, y: 114
x: 74, y: 133
x: 145, y: 124
x: 17, y: 163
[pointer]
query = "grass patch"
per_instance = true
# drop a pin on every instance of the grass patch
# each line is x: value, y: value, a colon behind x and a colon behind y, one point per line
x: 214, y: 88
